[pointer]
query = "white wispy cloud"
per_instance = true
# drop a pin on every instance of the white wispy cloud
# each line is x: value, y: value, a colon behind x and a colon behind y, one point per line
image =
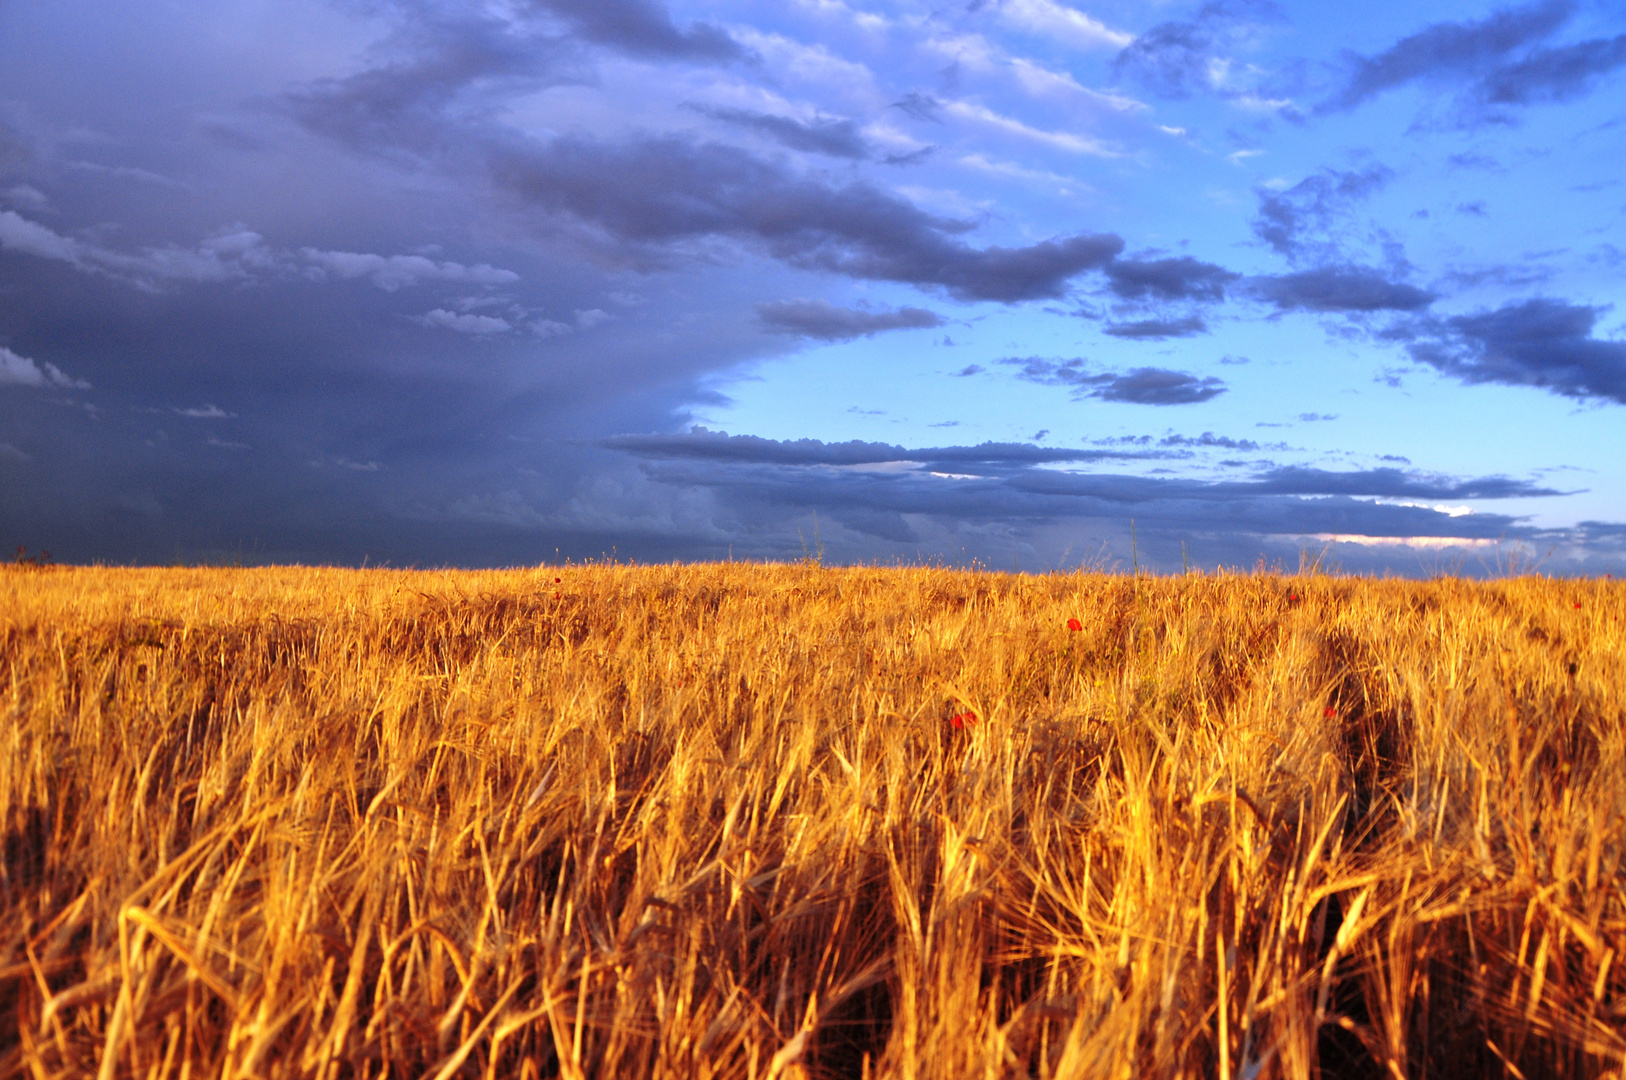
x: 1065, y: 23
x: 465, y: 324
x: 392, y: 272
x: 1061, y: 140
x: 1041, y: 81
x: 21, y: 371
x: 147, y: 269
x: 235, y: 253
x: 984, y: 164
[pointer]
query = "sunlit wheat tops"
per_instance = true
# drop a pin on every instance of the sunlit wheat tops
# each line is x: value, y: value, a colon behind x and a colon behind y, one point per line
x: 740, y: 821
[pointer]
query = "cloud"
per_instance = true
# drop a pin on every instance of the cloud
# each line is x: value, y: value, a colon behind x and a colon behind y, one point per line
x: 444, y: 60
x: 1286, y: 219
x: 1469, y: 160
x: 825, y: 321
x: 1058, y: 140
x: 645, y: 29
x: 206, y: 412
x: 1158, y: 329
x: 1158, y: 386
x: 17, y: 233
x: 1540, y: 342
x: 234, y: 254
x: 653, y: 197
x: 1061, y: 22
x: 662, y: 192
x: 392, y: 272
x: 1183, y: 278
x: 1141, y: 386
x: 1450, y: 49
x: 1388, y: 484
x: 1299, y: 482
x: 774, y: 485
x: 465, y: 323
x: 1497, y: 59
x: 921, y: 106
x: 21, y: 371
x: 220, y: 259
x: 703, y: 444
x: 1209, y: 439
x: 1554, y: 74
x: 831, y: 136
x: 1339, y: 288
x: 433, y: 62
x: 1177, y: 59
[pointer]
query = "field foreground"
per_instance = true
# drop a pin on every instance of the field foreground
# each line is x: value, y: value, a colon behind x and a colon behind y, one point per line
x: 744, y: 821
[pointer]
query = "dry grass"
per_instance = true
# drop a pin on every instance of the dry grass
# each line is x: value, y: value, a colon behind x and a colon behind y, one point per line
x: 715, y: 821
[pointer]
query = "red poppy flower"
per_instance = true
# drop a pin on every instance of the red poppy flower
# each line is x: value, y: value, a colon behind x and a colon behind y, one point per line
x: 1329, y: 712
x: 557, y: 580
x: 963, y: 720
x: 1074, y: 624
x: 1578, y: 605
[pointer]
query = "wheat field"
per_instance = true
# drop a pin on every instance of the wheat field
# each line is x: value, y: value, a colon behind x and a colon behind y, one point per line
x: 793, y: 821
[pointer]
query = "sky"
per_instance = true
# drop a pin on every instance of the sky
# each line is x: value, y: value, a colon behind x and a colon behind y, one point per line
x: 1026, y: 284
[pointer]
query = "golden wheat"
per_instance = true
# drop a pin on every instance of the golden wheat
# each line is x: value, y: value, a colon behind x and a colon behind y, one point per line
x: 761, y: 822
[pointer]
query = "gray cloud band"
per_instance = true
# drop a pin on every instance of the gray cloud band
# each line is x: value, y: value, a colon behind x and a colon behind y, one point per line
x: 1283, y: 501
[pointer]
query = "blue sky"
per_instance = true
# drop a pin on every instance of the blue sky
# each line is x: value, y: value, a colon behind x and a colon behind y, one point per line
x: 504, y: 282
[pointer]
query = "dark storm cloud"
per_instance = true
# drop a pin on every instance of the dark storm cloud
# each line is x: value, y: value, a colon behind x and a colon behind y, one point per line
x: 1142, y: 386
x: 1540, y: 342
x: 1184, y: 278
x: 827, y: 322
x: 1498, y: 60
x: 1176, y: 59
x: 1158, y: 329
x: 831, y: 136
x: 1297, y: 221
x: 665, y: 191
x: 1339, y: 288
x: 641, y: 28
